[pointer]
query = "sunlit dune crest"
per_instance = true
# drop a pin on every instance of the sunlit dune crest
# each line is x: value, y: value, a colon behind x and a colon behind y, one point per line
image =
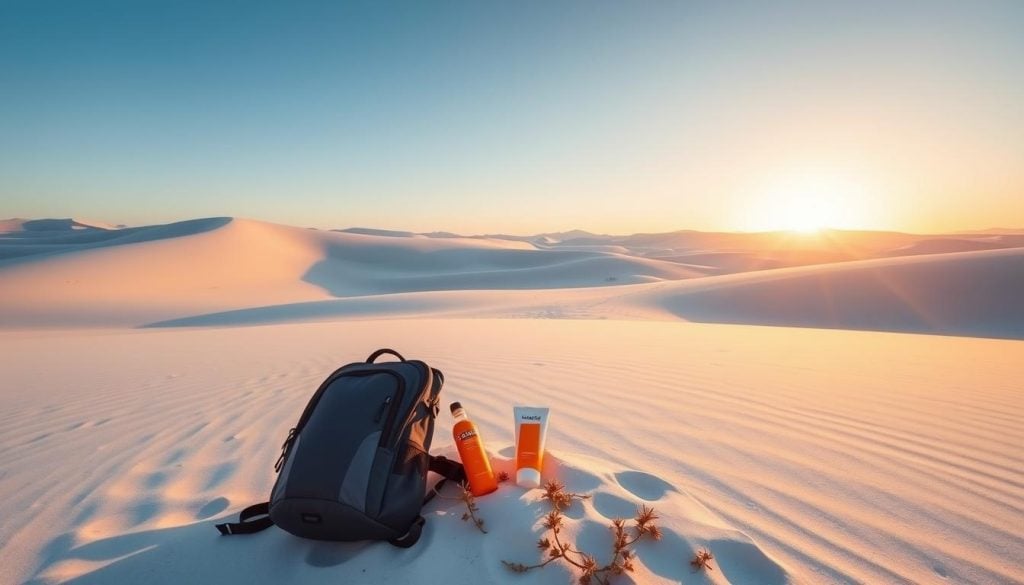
x: 233, y: 271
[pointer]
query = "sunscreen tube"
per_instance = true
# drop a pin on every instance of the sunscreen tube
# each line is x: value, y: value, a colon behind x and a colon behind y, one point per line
x: 531, y: 429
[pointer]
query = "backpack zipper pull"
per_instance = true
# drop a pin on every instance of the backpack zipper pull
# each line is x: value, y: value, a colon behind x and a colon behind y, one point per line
x: 383, y: 407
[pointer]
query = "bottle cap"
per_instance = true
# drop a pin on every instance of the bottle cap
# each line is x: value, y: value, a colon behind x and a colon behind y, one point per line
x: 527, y: 477
x: 455, y: 406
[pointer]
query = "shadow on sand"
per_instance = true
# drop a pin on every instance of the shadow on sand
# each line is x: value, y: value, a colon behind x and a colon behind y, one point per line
x: 49, y: 237
x: 197, y: 553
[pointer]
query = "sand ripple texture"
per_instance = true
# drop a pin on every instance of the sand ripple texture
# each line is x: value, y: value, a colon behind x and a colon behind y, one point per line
x: 794, y: 455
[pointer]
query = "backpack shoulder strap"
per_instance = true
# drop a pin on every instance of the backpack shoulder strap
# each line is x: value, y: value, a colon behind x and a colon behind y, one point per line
x: 252, y: 519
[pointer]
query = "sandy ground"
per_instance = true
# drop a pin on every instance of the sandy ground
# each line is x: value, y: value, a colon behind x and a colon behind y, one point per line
x: 794, y: 455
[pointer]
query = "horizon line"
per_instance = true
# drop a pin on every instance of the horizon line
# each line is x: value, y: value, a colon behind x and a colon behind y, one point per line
x: 101, y: 224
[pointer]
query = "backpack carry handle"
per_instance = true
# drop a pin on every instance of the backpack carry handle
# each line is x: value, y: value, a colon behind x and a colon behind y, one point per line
x: 380, y: 352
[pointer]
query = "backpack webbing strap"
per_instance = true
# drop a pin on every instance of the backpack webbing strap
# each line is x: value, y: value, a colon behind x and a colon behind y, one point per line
x: 246, y: 524
x: 412, y: 536
x: 447, y: 468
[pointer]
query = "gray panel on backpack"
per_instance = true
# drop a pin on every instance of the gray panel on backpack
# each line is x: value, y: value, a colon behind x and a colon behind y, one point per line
x: 357, y: 479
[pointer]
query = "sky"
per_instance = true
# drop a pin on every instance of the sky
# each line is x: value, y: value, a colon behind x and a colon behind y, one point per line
x: 516, y: 117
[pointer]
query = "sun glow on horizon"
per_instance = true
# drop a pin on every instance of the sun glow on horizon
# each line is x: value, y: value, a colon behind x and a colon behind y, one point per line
x: 810, y: 203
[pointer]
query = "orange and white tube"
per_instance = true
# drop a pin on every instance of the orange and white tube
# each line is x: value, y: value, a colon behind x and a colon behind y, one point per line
x: 531, y: 430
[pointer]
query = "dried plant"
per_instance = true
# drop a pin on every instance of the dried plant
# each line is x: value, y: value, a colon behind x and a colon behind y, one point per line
x: 466, y: 497
x: 554, y: 492
x: 590, y: 570
x: 702, y: 560
x: 470, y: 500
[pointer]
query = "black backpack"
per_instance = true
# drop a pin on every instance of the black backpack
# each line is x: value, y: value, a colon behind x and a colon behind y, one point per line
x: 355, y: 465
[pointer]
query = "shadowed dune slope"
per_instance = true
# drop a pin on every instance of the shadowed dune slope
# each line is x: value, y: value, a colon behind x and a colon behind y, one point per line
x: 971, y: 293
x: 96, y: 277
x: 224, y: 271
x: 20, y: 238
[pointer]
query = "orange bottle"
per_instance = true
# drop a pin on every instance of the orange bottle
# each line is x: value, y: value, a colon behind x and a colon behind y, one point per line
x: 471, y: 452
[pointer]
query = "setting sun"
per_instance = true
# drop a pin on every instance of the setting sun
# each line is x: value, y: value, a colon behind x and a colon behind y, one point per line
x: 809, y: 214
x: 810, y: 203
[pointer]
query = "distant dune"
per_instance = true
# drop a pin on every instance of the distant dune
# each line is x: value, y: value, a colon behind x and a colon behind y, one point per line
x: 971, y: 293
x: 376, y: 232
x: 95, y: 277
x: 16, y: 225
x: 947, y: 245
x: 19, y: 238
x: 224, y: 271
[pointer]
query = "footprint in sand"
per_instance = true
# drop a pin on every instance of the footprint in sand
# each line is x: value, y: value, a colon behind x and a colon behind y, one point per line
x: 611, y: 506
x: 212, y: 508
x: 644, y: 485
x: 743, y: 562
x: 175, y: 457
x: 156, y: 480
x: 144, y: 510
x: 86, y: 513
x: 737, y: 559
x: 220, y: 474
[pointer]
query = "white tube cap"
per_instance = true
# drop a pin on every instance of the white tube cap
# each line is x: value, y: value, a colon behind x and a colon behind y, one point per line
x: 527, y: 477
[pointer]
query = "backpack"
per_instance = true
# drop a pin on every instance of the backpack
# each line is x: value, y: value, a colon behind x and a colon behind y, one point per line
x: 355, y: 465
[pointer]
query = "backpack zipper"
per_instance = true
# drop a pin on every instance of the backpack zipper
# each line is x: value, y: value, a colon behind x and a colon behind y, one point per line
x: 389, y: 405
x: 383, y: 407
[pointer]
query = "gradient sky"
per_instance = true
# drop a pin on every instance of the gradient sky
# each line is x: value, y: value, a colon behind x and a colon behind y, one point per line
x: 515, y: 116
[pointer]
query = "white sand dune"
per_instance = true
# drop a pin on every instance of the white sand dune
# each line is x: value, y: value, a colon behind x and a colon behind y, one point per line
x: 947, y: 245
x: 237, y: 272
x: 971, y: 293
x: 204, y: 266
x: 51, y: 237
x: 794, y: 455
x: 49, y: 226
x: 975, y: 293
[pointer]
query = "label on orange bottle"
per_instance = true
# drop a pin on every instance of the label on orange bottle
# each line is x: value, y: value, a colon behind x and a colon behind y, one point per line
x: 528, y: 451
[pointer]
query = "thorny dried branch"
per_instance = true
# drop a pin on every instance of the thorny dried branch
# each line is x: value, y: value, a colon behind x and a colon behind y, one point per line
x: 590, y: 571
x: 702, y: 560
x: 466, y: 497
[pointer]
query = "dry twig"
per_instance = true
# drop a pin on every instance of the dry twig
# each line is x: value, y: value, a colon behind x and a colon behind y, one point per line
x: 702, y: 560
x: 469, y: 499
x: 590, y: 571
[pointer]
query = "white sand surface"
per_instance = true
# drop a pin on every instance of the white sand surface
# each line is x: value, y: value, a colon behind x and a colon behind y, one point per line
x: 148, y: 376
x: 794, y: 455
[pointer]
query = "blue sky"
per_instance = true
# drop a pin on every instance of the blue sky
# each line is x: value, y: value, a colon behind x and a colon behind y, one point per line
x: 517, y: 117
